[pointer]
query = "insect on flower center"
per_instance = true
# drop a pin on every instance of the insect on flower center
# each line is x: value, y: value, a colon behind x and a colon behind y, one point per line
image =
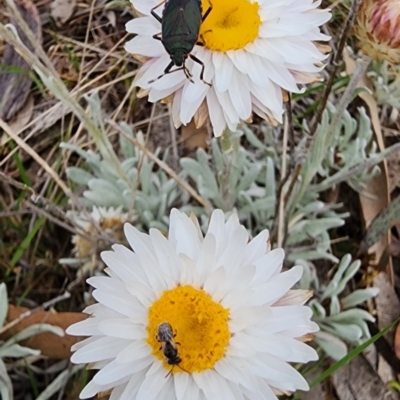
x: 199, y: 329
x: 231, y: 25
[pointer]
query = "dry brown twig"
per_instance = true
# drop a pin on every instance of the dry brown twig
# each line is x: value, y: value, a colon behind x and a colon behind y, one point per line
x: 165, y: 167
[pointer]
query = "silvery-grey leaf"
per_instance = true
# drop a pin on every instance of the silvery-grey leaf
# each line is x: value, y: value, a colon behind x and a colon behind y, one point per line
x: 6, y: 389
x: 331, y: 344
x: 3, y: 303
x: 78, y: 175
x: 32, y: 331
x: 358, y: 297
x: 17, y: 351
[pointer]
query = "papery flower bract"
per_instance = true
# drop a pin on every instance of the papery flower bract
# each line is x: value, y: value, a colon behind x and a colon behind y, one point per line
x: 378, y: 29
x: 236, y: 320
x: 252, y: 51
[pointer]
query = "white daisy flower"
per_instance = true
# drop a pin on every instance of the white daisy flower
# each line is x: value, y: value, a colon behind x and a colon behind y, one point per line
x: 108, y: 220
x: 253, y: 51
x: 234, y: 322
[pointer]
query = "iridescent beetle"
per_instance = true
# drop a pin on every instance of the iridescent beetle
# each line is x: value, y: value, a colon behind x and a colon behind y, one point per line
x: 180, y: 28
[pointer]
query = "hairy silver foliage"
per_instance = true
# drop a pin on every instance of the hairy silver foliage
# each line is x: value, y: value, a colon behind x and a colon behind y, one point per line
x: 335, y: 307
x: 386, y: 81
x: 354, y: 145
x: 137, y: 186
x: 348, y: 155
x: 247, y: 181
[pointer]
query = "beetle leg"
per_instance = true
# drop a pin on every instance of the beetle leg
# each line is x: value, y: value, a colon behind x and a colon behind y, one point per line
x: 166, y: 71
x: 153, y: 13
x: 207, y: 12
x: 187, y: 73
x: 194, y: 58
x: 202, y: 41
x: 157, y: 36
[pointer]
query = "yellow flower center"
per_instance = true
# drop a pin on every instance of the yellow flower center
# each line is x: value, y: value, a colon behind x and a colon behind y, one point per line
x: 231, y: 24
x: 199, y: 325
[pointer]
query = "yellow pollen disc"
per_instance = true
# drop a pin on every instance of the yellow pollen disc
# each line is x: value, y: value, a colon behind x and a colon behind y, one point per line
x: 231, y: 25
x: 200, y: 325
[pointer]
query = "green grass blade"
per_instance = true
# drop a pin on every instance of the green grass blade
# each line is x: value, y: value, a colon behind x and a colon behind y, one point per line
x: 25, y: 243
x: 352, y: 354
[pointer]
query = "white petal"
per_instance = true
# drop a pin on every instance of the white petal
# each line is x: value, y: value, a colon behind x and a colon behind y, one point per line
x: 192, y: 391
x: 278, y: 373
x: 132, y: 386
x: 124, y: 303
x: 117, y: 392
x: 113, y: 372
x: 213, y: 386
x: 256, y: 248
x: 166, y: 255
x: 92, y: 388
x: 231, y: 226
x: 240, y: 95
x: 181, y: 382
x: 223, y: 71
x: 282, y: 347
x: 183, y: 235
x: 231, y: 257
x: 215, y: 112
x: 277, y: 286
x: 230, y: 113
x: 188, y: 109
x: 176, y: 106
x: 103, y: 348
x: 144, y: 293
x: 207, y: 257
x: 156, y: 95
x: 215, y: 282
x: 88, y: 327
x: 217, y: 228
x: 106, y: 283
x: 153, y: 385
x: 287, y: 318
x: 234, y: 300
x: 268, y: 265
x: 281, y: 76
x: 122, y: 328
x: 147, y: 26
x: 143, y: 247
x: 135, y: 351
x: 145, y: 46
x: 125, y: 264
x: 84, y: 342
x: 189, y: 275
x: 294, y: 297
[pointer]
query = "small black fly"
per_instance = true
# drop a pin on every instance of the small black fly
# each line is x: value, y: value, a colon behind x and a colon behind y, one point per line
x: 168, y: 345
